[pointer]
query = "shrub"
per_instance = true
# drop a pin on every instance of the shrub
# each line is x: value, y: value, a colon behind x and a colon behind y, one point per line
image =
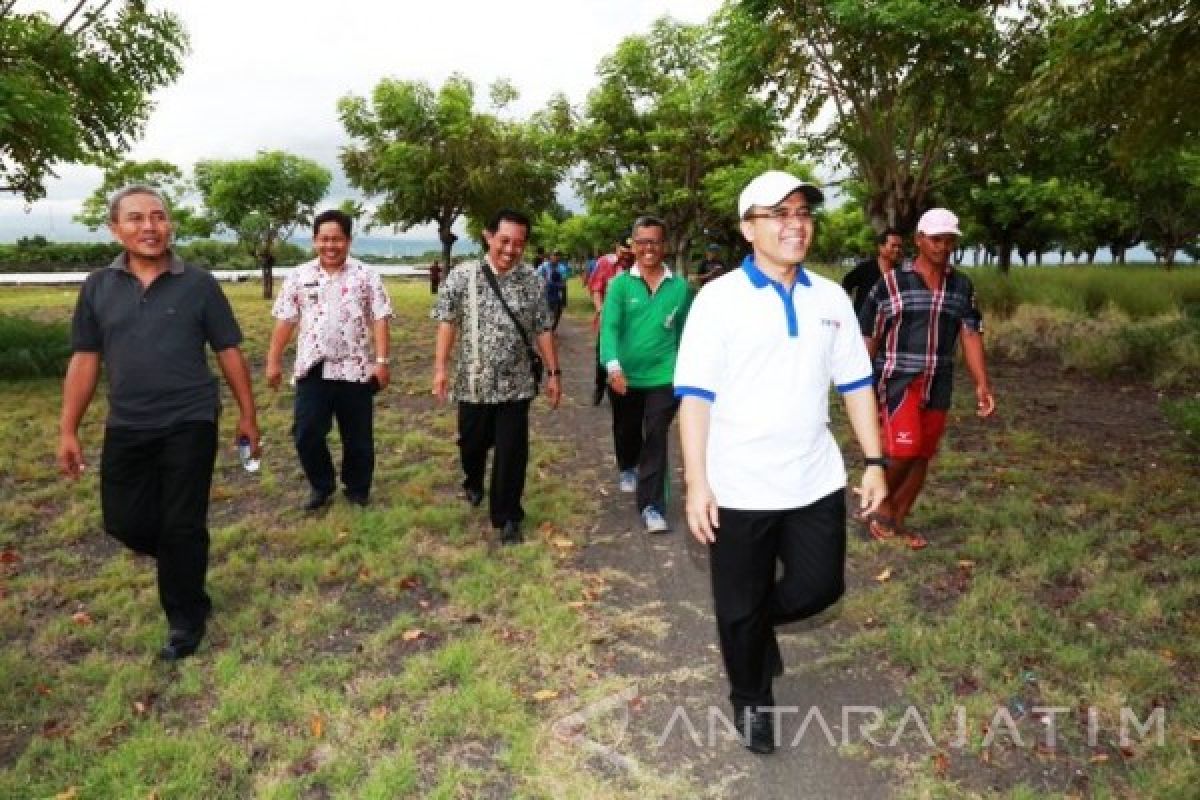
x: 32, y: 349
x: 1185, y: 415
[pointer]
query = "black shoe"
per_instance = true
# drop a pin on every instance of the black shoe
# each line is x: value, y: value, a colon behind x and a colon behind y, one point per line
x: 598, y: 395
x: 758, y: 732
x: 511, y: 533
x: 181, y: 643
x: 316, y: 500
x: 474, y: 496
x: 356, y: 499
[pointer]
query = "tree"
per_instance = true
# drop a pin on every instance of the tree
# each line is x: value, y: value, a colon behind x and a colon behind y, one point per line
x: 1167, y: 187
x: 658, y: 123
x: 162, y: 175
x: 1132, y: 66
x: 433, y: 158
x: 77, y: 90
x: 262, y: 200
x: 895, y: 78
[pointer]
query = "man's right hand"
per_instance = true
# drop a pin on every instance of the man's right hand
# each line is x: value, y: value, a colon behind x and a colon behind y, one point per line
x: 70, y: 456
x: 616, y: 379
x: 441, y: 385
x: 700, y: 509
x: 274, y: 374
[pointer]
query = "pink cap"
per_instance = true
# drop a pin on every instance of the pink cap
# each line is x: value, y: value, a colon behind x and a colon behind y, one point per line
x: 937, y: 221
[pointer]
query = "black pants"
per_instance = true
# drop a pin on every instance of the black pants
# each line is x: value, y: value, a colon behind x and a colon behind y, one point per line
x: 154, y: 487
x: 601, y: 370
x: 748, y: 600
x: 505, y: 427
x: 641, y: 420
x: 318, y: 402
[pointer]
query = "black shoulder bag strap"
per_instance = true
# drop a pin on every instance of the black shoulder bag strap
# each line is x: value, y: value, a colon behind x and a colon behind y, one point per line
x: 536, y: 366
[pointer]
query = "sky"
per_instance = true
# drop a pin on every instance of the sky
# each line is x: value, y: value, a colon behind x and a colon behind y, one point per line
x: 266, y: 75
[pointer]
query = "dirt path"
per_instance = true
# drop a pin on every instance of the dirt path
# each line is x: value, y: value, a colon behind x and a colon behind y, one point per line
x: 661, y: 637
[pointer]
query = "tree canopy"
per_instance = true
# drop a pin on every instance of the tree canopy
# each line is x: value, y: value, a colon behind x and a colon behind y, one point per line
x: 262, y: 200
x: 77, y: 89
x: 161, y: 175
x: 432, y: 157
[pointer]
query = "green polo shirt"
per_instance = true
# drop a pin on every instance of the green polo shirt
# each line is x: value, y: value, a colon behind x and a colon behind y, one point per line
x: 641, y: 329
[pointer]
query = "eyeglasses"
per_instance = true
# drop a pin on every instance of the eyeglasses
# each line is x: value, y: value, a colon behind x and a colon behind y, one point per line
x: 780, y: 214
x: 648, y: 242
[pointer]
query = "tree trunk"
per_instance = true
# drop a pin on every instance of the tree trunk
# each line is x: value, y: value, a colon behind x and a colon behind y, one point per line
x: 267, y: 265
x: 1037, y: 257
x: 1004, y: 254
x: 447, y: 238
x: 680, y: 245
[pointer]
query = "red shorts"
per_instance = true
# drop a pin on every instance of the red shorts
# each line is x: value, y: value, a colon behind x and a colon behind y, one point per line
x: 909, y: 429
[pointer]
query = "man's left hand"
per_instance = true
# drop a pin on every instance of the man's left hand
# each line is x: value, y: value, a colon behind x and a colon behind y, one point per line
x: 248, y: 428
x: 873, y: 490
x: 985, y: 404
x: 554, y: 390
x: 382, y: 376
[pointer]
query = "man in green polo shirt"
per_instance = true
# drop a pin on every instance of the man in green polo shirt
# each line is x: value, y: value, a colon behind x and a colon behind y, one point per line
x: 640, y: 328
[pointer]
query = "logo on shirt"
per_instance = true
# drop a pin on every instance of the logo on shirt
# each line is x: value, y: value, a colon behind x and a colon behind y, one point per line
x: 832, y: 323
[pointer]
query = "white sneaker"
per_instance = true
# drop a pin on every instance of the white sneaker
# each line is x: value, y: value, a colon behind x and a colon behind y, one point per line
x: 627, y: 482
x: 654, y: 520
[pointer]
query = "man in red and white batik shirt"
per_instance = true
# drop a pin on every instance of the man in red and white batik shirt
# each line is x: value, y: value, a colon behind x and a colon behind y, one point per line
x: 341, y: 310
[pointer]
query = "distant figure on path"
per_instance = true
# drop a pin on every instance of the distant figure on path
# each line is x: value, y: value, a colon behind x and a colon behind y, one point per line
x: 765, y: 480
x: 644, y: 312
x: 607, y: 268
x: 912, y: 320
x: 496, y: 310
x: 148, y: 318
x: 340, y: 309
x: 866, y: 273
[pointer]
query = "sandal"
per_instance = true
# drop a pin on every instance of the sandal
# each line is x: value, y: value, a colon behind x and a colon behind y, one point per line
x: 916, y: 541
x: 880, y: 527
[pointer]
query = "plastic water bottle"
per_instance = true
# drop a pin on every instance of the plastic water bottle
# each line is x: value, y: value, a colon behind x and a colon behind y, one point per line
x: 246, y: 454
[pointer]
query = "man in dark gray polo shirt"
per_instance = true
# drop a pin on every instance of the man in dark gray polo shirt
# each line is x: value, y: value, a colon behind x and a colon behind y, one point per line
x: 148, y: 317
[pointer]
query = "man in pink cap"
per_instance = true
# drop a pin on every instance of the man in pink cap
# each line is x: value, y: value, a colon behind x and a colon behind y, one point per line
x: 912, y: 321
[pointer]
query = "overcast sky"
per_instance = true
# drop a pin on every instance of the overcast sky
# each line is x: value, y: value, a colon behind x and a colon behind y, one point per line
x: 267, y: 75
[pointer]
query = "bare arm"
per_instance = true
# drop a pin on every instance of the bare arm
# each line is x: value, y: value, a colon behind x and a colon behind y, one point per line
x: 700, y: 506
x: 237, y: 374
x: 280, y: 336
x: 83, y: 373
x: 972, y: 343
x: 443, y: 344
x: 379, y: 328
x: 549, y: 353
x: 864, y: 420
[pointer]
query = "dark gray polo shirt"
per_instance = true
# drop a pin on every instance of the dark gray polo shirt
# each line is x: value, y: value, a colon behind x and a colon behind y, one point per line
x: 152, y: 342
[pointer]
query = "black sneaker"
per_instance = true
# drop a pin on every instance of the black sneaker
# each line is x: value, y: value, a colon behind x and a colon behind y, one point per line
x: 316, y: 500
x: 758, y: 732
x: 511, y: 533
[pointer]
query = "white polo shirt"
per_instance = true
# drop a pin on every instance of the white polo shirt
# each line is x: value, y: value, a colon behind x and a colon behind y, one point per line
x: 765, y: 358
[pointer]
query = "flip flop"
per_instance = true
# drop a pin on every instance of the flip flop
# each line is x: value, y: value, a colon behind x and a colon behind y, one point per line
x: 916, y: 541
x: 880, y: 527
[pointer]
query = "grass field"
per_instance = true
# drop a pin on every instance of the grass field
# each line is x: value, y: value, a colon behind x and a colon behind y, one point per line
x: 392, y: 653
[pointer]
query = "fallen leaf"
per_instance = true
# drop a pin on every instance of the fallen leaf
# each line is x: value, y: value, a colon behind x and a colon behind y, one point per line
x: 545, y: 694
x: 1044, y: 749
x: 139, y: 708
x: 424, y: 604
x: 412, y: 635
x: 1128, y: 752
x: 966, y: 564
x: 81, y: 618
x: 379, y: 712
x: 1098, y: 758
x: 410, y: 582
x: 941, y: 764
x: 562, y: 543
x: 316, y: 726
x: 577, y: 604
x: 42, y: 689
x: 341, y: 537
x: 884, y: 576
x: 637, y: 703
x: 69, y: 794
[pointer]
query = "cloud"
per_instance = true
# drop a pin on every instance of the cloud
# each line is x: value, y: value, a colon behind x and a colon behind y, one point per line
x: 268, y: 75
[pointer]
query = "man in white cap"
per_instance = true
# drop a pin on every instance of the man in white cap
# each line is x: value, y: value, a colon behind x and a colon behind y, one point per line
x: 765, y: 479
x: 912, y: 321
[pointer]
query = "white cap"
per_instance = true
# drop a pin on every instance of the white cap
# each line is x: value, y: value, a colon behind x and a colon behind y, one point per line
x: 770, y: 188
x: 937, y: 221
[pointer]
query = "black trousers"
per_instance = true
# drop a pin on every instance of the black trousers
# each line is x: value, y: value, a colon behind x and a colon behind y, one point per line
x: 318, y: 403
x: 504, y: 427
x: 601, y: 370
x: 154, y: 487
x: 641, y: 421
x: 810, y: 542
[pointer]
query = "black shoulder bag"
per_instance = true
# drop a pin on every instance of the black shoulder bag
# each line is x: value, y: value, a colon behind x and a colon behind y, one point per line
x: 535, y: 361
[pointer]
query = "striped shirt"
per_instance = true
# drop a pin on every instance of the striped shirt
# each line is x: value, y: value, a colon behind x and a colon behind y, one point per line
x: 917, y: 329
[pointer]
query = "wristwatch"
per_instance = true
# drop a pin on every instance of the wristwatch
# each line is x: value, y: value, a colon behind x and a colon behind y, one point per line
x: 381, y: 360
x: 553, y: 373
x: 875, y: 461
